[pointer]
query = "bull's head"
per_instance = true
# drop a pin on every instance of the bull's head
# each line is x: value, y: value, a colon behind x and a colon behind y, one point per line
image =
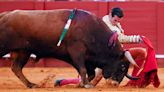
x: 122, y: 70
x: 121, y: 63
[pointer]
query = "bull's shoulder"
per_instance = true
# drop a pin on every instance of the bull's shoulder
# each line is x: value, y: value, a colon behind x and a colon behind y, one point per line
x: 19, y: 12
x: 4, y: 13
x: 7, y: 14
x: 15, y: 12
x: 43, y: 12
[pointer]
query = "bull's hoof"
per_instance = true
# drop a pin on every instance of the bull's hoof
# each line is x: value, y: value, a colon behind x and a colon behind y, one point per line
x: 85, y: 85
x: 32, y: 85
x: 88, y: 86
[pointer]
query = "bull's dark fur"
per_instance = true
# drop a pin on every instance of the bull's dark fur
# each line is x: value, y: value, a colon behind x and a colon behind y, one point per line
x: 85, y: 46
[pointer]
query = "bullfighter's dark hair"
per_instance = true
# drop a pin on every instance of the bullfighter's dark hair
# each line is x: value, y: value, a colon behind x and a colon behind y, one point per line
x: 118, y: 12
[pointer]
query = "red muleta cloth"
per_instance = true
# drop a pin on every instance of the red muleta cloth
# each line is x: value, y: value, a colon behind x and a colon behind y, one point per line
x: 149, y: 73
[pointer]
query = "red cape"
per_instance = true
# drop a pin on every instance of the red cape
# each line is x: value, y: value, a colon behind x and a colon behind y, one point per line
x: 149, y: 73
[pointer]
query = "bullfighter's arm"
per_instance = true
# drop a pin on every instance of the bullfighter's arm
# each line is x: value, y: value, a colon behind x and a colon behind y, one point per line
x: 128, y: 38
x: 121, y: 36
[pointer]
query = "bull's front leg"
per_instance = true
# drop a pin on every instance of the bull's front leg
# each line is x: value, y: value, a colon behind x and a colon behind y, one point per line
x: 77, y: 53
x: 84, y: 80
x: 90, y: 70
x: 80, y: 67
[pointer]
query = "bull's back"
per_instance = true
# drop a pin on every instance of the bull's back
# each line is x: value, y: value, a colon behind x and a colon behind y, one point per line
x: 44, y: 25
x: 38, y: 23
x: 24, y: 29
x: 41, y: 30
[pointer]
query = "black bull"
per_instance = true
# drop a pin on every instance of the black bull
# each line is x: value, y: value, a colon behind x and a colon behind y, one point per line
x: 85, y: 46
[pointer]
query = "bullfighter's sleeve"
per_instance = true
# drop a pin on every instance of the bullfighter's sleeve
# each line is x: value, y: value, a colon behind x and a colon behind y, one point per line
x: 127, y: 38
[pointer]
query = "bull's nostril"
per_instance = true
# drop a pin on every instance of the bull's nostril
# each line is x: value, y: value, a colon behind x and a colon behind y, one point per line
x: 115, y: 83
x: 112, y: 83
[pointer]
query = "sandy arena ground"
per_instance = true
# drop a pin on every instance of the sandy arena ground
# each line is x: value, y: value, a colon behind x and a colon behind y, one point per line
x: 10, y: 83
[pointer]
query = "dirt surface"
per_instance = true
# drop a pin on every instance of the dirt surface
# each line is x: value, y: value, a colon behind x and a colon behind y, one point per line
x: 10, y: 83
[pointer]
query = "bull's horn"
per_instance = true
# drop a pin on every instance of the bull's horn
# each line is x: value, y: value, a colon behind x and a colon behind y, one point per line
x: 131, y: 77
x: 130, y: 58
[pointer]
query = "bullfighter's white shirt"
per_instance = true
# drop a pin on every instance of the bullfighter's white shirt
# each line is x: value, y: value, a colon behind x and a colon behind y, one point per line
x: 121, y: 36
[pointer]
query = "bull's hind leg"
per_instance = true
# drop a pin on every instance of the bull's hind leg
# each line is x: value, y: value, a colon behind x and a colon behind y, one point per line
x: 20, y: 60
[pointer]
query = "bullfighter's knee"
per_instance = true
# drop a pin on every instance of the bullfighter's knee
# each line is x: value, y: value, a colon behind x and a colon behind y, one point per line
x: 97, y: 77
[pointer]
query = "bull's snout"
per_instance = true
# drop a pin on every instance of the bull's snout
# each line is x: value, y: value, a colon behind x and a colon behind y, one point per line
x: 112, y: 83
x: 115, y: 83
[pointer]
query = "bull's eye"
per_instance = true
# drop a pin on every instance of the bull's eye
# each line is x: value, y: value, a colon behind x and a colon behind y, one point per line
x: 123, y: 67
